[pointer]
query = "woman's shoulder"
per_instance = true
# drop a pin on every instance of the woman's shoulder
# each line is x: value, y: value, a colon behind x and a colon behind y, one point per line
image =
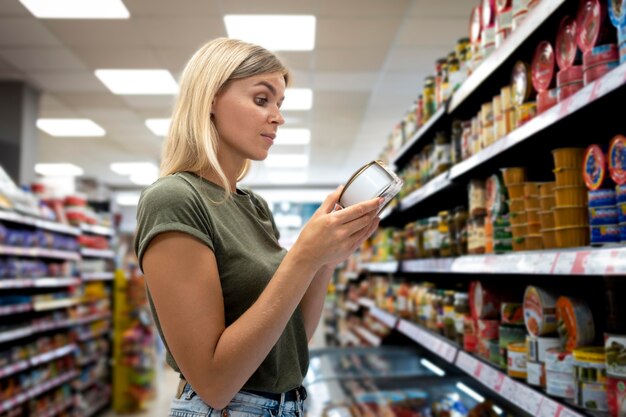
x: 174, y: 188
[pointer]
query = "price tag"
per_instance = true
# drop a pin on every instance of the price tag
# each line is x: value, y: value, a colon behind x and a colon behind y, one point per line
x: 549, y: 408
x: 499, y: 382
x: 580, y: 263
x: 466, y: 363
x: 566, y: 412
x: 617, y: 262
x: 529, y: 400
x: 564, y: 263
x: 508, y: 389
x: 488, y: 376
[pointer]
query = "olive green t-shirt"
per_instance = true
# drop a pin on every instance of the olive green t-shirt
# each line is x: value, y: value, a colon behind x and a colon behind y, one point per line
x: 243, y: 236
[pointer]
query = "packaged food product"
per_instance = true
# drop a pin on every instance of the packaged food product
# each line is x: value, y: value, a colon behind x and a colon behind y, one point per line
x: 488, y: 8
x: 485, y: 303
x: 622, y: 232
x: 575, y: 322
x: 617, y: 12
x: 566, y: 47
x: 516, y: 366
x: 594, y: 167
x: 560, y: 373
x: 488, y: 329
x: 549, y: 238
x: 510, y: 334
x: 591, y: 378
x: 615, y: 347
x: 525, y: 113
x: 488, y: 40
x: 604, y: 197
x: 591, y: 396
x: 605, y: 234
x: 620, y: 193
x: 374, y: 179
x: 570, y: 216
x: 477, y: 198
x: 516, y: 175
x: 539, y: 311
x: 617, y: 159
x: 470, y: 341
x: 568, y: 90
x: 601, y: 54
x: 572, y: 236
x: 570, y: 75
x: 547, y: 99
x: 536, y: 374
x: 616, y: 396
x: 476, y: 25
x: 521, y: 83
x: 601, y: 216
x: 542, y: 67
x: 593, y: 73
x: 538, y: 347
x: 512, y: 313
x: 590, y: 23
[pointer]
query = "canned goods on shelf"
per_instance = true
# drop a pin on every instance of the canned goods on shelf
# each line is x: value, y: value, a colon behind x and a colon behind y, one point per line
x: 542, y: 67
x: 605, y: 234
x: 569, y: 90
x: 547, y: 99
x: 566, y: 47
x: 538, y: 347
x: 604, y: 197
x: 601, y: 54
x: 536, y: 374
x: 511, y: 334
x: 597, y: 71
x: 521, y: 83
x: 602, y: 216
x: 594, y: 168
x: 590, y: 364
x: 516, y: 364
x: 617, y: 159
x: 591, y: 396
x: 616, y: 396
x: 575, y: 322
x: 525, y: 113
x: 488, y: 329
x: 512, y: 313
x: 560, y: 373
x: 620, y: 192
x: 622, y: 232
x: 485, y: 303
x: 590, y: 21
x: 617, y: 12
x: 539, y: 311
x: 573, y: 74
x: 615, y: 348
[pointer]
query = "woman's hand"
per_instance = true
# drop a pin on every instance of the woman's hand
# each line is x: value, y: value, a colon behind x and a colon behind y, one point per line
x: 331, y: 236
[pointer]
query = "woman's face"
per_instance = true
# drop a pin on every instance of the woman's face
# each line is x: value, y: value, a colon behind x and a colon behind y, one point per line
x: 247, y: 115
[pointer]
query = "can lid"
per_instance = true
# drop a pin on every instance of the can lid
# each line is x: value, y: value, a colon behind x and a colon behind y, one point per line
x: 588, y: 22
x: 520, y: 83
x: 617, y: 12
x: 475, y: 25
x: 543, y: 66
x: 590, y: 354
x: 566, y: 47
x: 617, y: 159
x: 573, y: 74
x: 594, y: 167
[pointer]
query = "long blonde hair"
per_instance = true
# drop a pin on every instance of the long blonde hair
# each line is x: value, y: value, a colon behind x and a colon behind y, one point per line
x: 192, y: 141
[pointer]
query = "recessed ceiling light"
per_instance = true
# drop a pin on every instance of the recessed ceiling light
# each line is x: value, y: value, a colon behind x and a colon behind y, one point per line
x: 298, y: 99
x: 70, y: 127
x: 273, y: 32
x: 131, y: 168
x: 144, y: 178
x: 287, y: 161
x: 58, y: 170
x: 158, y: 126
x: 138, y: 82
x: 293, y: 136
x: 287, y: 177
x: 77, y: 9
x: 127, y: 199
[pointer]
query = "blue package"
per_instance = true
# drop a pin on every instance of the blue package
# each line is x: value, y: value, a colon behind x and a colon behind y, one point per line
x: 599, y: 216
x: 605, y: 234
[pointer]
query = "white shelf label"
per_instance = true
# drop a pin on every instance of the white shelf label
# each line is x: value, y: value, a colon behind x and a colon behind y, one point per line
x: 388, y: 319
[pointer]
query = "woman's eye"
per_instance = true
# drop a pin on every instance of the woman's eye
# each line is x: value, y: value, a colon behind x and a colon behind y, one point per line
x: 260, y: 101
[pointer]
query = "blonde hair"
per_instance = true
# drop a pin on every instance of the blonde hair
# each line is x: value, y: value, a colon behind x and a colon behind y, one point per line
x: 192, y: 141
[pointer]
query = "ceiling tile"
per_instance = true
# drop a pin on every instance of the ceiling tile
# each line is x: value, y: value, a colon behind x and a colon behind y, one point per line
x: 345, y: 81
x: 169, y: 32
x: 352, y: 59
x: 434, y: 32
x: 42, y: 59
x: 298, y: 60
x: 443, y: 8
x: 51, y: 106
x: 174, y: 59
x: 25, y: 31
x: 169, y: 8
x: 360, y: 8
x: 97, y: 33
x: 127, y: 58
x: 329, y: 100
x: 269, y: 7
x: 67, y: 81
x: 84, y: 100
x: 415, y: 58
x: 356, y: 32
x: 150, y: 102
x: 111, y: 114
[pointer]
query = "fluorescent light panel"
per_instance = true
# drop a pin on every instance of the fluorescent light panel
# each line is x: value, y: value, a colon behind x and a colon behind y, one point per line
x: 138, y: 82
x: 287, y: 177
x: 297, y: 99
x: 273, y: 32
x: 293, y: 136
x: 58, y: 170
x: 77, y: 9
x: 131, y: 168
x: 70, y: 127
x: 159, y: 126
x: 287, y: 161
x: 432, y: 367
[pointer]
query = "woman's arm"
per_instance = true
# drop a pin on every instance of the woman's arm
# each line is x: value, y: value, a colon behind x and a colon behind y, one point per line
x: 182, y: 276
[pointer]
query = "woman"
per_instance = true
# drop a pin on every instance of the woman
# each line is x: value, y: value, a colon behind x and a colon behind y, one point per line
x: 235, y: 310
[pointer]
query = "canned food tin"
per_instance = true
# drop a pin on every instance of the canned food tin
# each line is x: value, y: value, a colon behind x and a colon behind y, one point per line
x: 616, y: 396
x: 601, y: 54
x: 566, y: 43
x: 560, y: 373
x: 372, y: 180
x: 601, y: 216
x: 593, y: 73
x: 516, y: 365
x: 547, y: 99
x: 620, y: 192
x: 539, y: 311
x: 538, y: 347
x: 573, y: 74
x: 591, y: 396
x: 594, y: 168
x: 603, y: 197
x: 605, y: 234
x: 615, y: 346
x: 589, y: 22
x: 543, y: 66
x: 511, y: 334
x: 521, y: 82
x: 590, y: 364
x: 536, y: 374
x: 575, y: 322
x: 617, y: 159
x: 569, y: 90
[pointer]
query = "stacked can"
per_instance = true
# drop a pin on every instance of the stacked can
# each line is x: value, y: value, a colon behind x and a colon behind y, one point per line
x: 485, y: 310
x: 591, y: 379
x: 498, y: 237
x: 504, y: 20
x: 599, y: 61
x: 560, y: 380
x: 488, y: 37
x: 512, y: 331
x: 574, y: 323
x: 546, y: 215
x: 477, y: 217
x: 603, y: 212
x: 617, y: 13
x: 537, y: 348
x: 514, y: 179
x: 542, y: 69
x: 522, y: 86
x: 617, y: 170
x: 594, y: 36
x: 569, y: 79
x: 570, y: 212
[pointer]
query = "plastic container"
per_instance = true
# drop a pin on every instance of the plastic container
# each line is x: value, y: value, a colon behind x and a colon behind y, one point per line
x: 531, y: 189
x: 620, y: 194
x: 601, y: 216
x: 532, y: 203
x: 549, y: 238
x: 516, y: 191
x: 560, y: 373
x: 516, y: 175
x: 568, y: 157
x: 571, y: 216
x: 597, y: 71
x: 533, y: 217
x: 617, y: 159
x: 513, y: 314
x: 542, y: 67
x: 539, y: 311
x: 605, y: 234
x: 565, y: 46
x: 602, y: 198
x: 601, y: 54
x: 538, y: 347
x: 546, y: 189
x: 516, y: 364
x: 534, y: 242
x: 547, y: 203
x: 572, y: 237
x: 569, y: 177
x: 568, y: 90
x: 536, y: 374
x: 594, y: 168
x: 546, y: 219
x: 520, y: 230
x: 571, y: 75
x: 517, y: 205
x: 589, y: 23
x: 519, y: 244
x: 575, y: 322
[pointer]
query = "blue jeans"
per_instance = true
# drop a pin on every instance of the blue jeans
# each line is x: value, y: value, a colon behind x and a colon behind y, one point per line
x: 243, y: 405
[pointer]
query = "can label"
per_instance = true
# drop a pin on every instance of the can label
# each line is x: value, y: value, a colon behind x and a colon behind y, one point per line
x: 591, y: 396
x: 615, y: 355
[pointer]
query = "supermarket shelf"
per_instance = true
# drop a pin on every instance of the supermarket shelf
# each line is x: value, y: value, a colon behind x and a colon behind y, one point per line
x: 15, y: 309
x: 599, y: 88
x: 531, y: 401
x: 351, y: 275
x: 97, y: 253
x: 15, y: 334
x: 388, y: 319
x: 16, y: 283
x: 84, y: 361
x: 532, y: 23
x: 346, y: 337
x: 39, y: 253
x: 35, y: 222
x: 341, y: 287
x: 421, y: 194
x: 352, y: 306
x: 98, y: 230
x: 95, y: 408
x: 35, y: 391
x: 90, y: 336
x: 81, y: 386
x: 380, y: 267
x: 436, y: 344
x: 92, y: 318
x: 366, y: 302
x: 38, y: 282
x: 48, y: 356
x: 54, y: 304
x: 428, y: 265
x: 97, y: 276
x: 56, y: 409
x: 14, y: 368
x: 368, y: 336
x: 407, y: 150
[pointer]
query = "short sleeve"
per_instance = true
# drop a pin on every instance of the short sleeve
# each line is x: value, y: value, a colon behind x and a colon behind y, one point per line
x: 171, y: 205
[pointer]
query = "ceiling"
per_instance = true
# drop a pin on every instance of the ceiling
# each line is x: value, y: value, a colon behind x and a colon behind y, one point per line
x: 368, y: 64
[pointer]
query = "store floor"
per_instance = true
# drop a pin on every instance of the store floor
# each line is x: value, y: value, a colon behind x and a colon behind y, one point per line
x: 168, y: 381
